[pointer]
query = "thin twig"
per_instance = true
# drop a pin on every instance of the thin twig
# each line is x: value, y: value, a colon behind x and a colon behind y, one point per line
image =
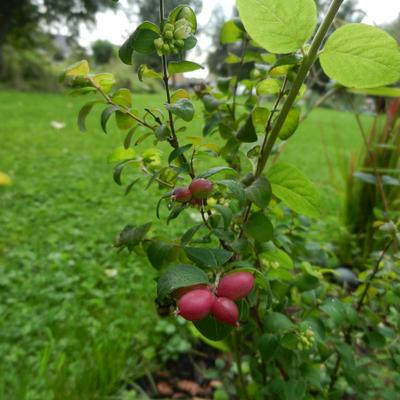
x: 111, y: 102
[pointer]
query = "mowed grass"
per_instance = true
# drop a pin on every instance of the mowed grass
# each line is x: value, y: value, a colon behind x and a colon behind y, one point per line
x: 75, y: 315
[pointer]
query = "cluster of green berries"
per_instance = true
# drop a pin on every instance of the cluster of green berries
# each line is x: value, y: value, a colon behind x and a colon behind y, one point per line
x: 306, y: 340
x: 173, y: 37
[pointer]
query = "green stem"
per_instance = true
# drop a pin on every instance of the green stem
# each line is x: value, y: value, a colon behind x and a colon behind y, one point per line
x: 305, y: 67
x: 174, y: 139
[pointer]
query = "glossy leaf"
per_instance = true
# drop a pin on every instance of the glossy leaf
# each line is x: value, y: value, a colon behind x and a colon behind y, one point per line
x: 259, y: 227
x: 131, y: 236
x: 178, y: 276
x: 277, y: 323
x: 268, y: 86
x: 290, y: 125
x: 183, y: 108
x: 145, y: 72
x: 208, y: 257
x: 105, y: 116
x: 142, y: 41
x: 247, y: 132
x: 259, y: 192
x: 230, y: 33
x: 213, y: 329
x: 180, y: 67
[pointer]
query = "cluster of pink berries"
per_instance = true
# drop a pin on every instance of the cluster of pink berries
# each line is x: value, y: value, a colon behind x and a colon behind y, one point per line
x: 195, y: 193
x: 196, y: 302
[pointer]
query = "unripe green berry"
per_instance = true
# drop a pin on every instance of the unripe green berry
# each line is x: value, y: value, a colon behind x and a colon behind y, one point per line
x: 182, y: 33
x: 158, y: 43
x: 168, y: 27
x: 169, y: 35
x: 179, y: 43
x: 165, y: 48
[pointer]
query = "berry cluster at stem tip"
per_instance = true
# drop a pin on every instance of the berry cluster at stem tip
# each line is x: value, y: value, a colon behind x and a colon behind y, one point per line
x: 198, y: 301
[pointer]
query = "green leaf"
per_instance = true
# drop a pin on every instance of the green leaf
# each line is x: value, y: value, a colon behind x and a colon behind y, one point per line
x: 124, y: 121
x: 161, y: 253
x: 383, y: 91
x: 235, y: 188
x: 179, y: 67
x: 230, y: 33
x: 290, y: 125
x: 190, y: 43
x: 142, y: 41
x: 162, y: 132
x: 122, y: 97
x: 188, y: 235
x: 226, y: 213
x: 105, y: 80
x: 277, y: 323
x: 183, y: 108
x: 81, y: 68
x: 145, y: 72
x: 232, y: 59
x: 259, y: 227
x: 361, y: 56
x: 213, y: 171
x: 105, y: 116
x: 213, y: 329
x: 179, y: 151
x: 118, y: 170
x: 132, y: 235
x: 179, y: 276
x: 223, y: 83
x: 208, y: 257
x: 293, y: 188
x: 268, y: 345
x: 121, y: 154
x: 84, y: 112
x: 268, y: 86
x: 259, y: 192
x: 272, y: 254
x: 247, y: 132
x: 210, y: 102
x: 260, y: 117
x: 279, y: 26
x: 183, y: 11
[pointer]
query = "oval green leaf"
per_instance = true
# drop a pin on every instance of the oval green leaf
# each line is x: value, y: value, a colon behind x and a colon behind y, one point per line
x: 361, y: 56
x: 293, y: 188
x: 279, y: 26
x: 178, y: 276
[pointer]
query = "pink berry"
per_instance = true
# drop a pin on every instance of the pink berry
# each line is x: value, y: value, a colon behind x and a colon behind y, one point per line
x: 225, y: 310
x: 196, y: 304
x: 200, y: 188
x: 235, y: 286
x: 178, y: 293
x: 181, y: 194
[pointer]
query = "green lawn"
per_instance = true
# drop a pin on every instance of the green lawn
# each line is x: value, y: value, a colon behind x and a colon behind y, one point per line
x: 69, y: 330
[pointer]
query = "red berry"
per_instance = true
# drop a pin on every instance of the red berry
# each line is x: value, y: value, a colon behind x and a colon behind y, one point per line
x: 196, y: 304
x: 181, y: 194
x: 235, y: 286
x: 178, y: 293
x: 200, y: 188
x: 225, y: 310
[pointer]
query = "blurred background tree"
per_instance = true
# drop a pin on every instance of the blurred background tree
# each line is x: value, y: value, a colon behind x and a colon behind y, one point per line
x: 22, y: 22
x: 103, y: 51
